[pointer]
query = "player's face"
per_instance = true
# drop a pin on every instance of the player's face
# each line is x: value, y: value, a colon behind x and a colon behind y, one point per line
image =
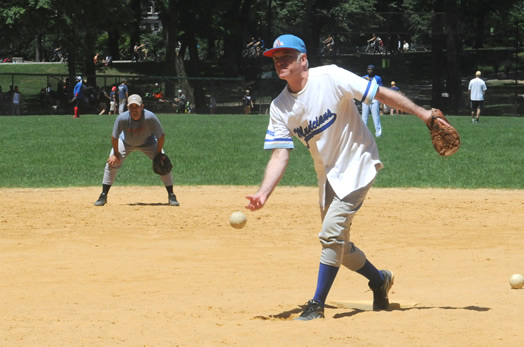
x: 135, y: 111
x: 286, y: 63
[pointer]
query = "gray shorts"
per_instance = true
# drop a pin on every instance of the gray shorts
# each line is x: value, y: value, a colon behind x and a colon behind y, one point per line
x: 337, y: 216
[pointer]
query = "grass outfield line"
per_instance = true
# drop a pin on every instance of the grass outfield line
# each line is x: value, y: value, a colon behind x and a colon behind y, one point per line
x: 58, y: 151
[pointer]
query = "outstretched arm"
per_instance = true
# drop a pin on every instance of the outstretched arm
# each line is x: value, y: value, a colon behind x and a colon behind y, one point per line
x: 400, y: 102
x: 274, y: 171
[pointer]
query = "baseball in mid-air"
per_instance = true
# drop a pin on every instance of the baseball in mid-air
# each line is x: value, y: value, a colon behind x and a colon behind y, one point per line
x: 237, y: 220
x: 516, y: 281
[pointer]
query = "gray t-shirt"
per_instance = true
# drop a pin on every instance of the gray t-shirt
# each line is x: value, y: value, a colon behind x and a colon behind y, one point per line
x: 142, y: 132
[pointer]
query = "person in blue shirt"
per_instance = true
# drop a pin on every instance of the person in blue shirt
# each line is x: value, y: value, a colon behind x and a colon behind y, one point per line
x: 78, y: 95
x: 375, y: 104
x: 123, y: 93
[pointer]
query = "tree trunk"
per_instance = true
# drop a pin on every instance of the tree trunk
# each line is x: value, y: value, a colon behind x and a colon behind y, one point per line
x: 198, y: 98
x: 174, y: 62
x: 39, y: 50
x: 453, y: 45
x: 112, y: 44
x: 479, y: 30
x: 437, y: 54
x: 89, y: 66
x: 234, y: 43
x: 136, y: 5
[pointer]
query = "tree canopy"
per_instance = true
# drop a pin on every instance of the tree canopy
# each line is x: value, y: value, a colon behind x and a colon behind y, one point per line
x: 209, y: 29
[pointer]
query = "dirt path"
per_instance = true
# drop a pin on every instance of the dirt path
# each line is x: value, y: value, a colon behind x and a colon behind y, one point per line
x: 139, y: 272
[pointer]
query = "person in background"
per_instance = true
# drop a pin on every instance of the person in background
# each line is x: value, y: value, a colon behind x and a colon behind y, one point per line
x: 113, y: 102
x: 96, y: 59
x: 16, y: 101
x: 405, y: 46
x: 78, y: 96
x: 123, y: 93
x: 396, y: 89
x: 375, y: 104
x: 157, y: 92
x: 103, y: 101
x: 247, y: 101
x: 212, y: 104
x: 477, y: 88
x: 180, y: 102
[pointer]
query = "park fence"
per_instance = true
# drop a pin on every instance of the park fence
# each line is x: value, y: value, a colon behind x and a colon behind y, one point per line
x: 47, y: 94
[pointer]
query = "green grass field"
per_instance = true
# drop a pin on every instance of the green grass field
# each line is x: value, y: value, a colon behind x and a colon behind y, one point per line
x: 58, y: 151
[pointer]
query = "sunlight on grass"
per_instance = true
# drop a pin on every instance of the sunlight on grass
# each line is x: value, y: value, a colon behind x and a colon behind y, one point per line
x: 54, y: 151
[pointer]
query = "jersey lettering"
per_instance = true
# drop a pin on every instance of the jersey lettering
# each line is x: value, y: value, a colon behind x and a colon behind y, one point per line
x: 316, y: 126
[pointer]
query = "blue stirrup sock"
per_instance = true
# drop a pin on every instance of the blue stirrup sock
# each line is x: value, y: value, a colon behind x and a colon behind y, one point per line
x: 326, y: 277
x: 371, y: 273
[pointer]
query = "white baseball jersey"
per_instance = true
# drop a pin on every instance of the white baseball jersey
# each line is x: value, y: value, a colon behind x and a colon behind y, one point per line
x: 324, y: 117
x: 477, y: 87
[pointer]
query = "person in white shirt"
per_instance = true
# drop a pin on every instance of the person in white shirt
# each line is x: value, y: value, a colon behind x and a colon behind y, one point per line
x: 317, y: 106
x: 477, y: 88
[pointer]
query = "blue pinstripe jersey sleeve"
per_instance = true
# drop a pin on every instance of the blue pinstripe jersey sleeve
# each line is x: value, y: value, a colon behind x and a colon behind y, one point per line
x: 273, y: 142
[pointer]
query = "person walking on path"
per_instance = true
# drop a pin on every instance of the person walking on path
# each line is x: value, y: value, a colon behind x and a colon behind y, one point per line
x: 477, y: 88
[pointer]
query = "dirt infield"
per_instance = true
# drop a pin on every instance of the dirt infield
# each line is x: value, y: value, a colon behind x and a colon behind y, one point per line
x: 138, y: 272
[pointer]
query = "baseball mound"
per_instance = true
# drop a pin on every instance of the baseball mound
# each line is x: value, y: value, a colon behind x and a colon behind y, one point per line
x: 140, y: 272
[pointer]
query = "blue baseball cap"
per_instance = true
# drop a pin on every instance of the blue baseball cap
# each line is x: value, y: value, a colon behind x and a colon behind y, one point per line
x: 371, y: 66
x: 286, y: 41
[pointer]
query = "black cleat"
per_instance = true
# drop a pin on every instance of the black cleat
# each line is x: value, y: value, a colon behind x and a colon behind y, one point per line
x: 172, y: 200
x: 313, y: 310
x: 102, y: 200
x: 380, y: 294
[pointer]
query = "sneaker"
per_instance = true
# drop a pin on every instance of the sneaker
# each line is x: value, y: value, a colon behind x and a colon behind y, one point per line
x: 172, y: 200
x: 478, y: 120
x: 102, y: 200
x: 380, y: 294
x: 314, y: 310
x: 473, y: 120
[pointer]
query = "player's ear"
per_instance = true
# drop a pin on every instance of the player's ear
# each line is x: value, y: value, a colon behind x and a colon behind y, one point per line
x: 303, y: 60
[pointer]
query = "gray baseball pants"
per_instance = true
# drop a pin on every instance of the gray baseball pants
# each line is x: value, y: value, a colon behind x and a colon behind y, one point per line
x: 125, y: 150
x: 337, y: 216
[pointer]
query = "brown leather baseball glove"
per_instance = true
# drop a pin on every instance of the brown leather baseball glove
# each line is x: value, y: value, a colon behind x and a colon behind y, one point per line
x: 161, y: 164
x: 444, y: 136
